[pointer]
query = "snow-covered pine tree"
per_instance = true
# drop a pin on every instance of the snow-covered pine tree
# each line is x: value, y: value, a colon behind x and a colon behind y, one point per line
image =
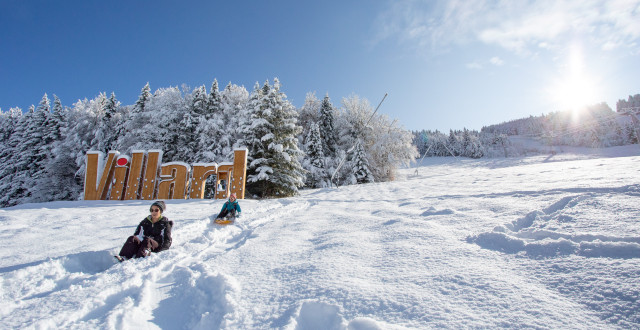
x: 308, y: 114
x: 453, y: 143
x: 51, y: 135
x: 327, y: 127
x: 254, y: 125
x: 102, y: 124
x: 199, y: 102
x: 288, y: 174
x: 136, y: 124
x: 110, y: 124
x: 7, y: 126
x: 82, y: 122
x: 191, y: 126
x: 235, y: 101
x: 630, y: 133
x: 34, y: 152
x: 360, y: 172
x: 60, y: 179
x: 12, y: 183
x: 27, y: 158
x: 274, y: 169
x: 12, y: 135
x: 211, y: 137
x: 214, y: 101
x: 167, y: 108
x: 56, y: 122
x: 213, y: 141
x: 314, y: 162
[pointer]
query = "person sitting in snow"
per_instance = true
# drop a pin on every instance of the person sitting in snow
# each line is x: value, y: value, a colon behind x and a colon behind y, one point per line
x: 153, y: 234
x: 230, y: 209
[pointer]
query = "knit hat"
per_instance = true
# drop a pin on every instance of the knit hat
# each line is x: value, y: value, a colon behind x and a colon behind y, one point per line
x: 160, y: 204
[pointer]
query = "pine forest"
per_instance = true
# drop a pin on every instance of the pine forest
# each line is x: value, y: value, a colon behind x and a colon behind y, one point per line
x: 43, y: 150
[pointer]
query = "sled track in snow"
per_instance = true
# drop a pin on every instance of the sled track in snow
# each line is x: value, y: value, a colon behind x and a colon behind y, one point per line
x: 140, y: 290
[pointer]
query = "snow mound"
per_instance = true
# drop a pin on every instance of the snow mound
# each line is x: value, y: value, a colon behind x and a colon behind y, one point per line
x: 560, y: 230
x: 432, y: 211
x: 312, y: 315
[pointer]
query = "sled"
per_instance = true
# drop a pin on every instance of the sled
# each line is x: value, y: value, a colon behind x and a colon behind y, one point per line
x: 223, y: 221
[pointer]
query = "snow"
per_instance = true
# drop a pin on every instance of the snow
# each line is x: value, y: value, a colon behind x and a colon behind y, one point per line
x: 548, y: 241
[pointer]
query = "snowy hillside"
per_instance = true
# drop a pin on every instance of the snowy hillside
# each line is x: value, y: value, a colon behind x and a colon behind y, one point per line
x: 536, y: 242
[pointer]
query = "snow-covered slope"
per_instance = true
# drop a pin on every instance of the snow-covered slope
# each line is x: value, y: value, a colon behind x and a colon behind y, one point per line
x: 537, y: 242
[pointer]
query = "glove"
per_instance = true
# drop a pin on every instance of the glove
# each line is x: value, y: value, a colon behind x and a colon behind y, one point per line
x: 238, y: 214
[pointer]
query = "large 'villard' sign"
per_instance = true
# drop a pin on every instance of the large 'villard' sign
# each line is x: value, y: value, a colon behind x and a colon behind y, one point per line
x: 143, y: 176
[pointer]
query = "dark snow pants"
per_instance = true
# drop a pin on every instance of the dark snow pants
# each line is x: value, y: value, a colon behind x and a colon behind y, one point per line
x: 134, y: 248
x: 227, y: 214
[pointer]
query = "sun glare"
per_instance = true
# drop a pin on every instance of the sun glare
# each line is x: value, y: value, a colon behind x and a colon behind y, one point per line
x: 574, y: 89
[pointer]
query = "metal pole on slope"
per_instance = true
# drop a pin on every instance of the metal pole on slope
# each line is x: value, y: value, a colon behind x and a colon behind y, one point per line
x: 352, y: 147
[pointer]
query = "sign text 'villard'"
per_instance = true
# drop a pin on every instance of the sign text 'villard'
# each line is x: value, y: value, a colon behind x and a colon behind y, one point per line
x: 143, y: 176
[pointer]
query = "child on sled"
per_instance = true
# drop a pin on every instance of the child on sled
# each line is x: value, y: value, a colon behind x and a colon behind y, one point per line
x: 230, y: 209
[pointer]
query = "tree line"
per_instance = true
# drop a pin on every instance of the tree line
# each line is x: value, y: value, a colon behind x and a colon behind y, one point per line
x: 42, y: 150
x: 595, y: 126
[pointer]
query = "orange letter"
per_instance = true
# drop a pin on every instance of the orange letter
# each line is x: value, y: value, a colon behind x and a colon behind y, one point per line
x: 132, y: 191
x: 199, y: 176
x: 154, y: 157
x: 173, y: 181
x: 96, y: 187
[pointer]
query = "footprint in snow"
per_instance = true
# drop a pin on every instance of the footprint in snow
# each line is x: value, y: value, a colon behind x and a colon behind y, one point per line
x: 432, y: 211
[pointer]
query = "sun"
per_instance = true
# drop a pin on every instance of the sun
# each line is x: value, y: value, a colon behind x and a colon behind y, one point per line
x: 574, y: 92
x: 573, y: 88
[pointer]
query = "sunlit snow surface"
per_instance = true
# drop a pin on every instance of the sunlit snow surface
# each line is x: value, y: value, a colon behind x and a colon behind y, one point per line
x: 548, y: 241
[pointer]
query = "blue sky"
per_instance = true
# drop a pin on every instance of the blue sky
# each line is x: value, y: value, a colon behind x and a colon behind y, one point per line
x: 444, y: 64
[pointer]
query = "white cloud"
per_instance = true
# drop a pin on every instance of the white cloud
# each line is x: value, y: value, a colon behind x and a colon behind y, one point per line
x: 496, y: 61
x: 518, y: 26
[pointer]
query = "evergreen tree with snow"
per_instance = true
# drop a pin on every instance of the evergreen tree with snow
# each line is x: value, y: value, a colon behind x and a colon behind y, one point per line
x: 235, y: 101
x: 102, y: 125
x: 35, y: 150
x: 253, y: 126
x: 59, y: 180
x: 214, y: 101
x: 136, y: 124
x: 213, y: 141
x: 274, y: 169
x: 56, y: 122
x: 167, y: 107
x: 211, y: 137
x: 327, y: 127
x: 453, y: 143
x: 82, y: 121
x: 52, y: 134
x: 360, y: 172
x: 191, y: 126
x: 12, y: 181
x: 308, y: 114
x: 110, y: 124
x: 12, y: 136
x: 256, y: 125
x: 314, y: 162
x: 28, y: 156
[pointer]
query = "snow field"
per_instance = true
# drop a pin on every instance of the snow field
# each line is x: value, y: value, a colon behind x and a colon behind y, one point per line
x: 536, y: 242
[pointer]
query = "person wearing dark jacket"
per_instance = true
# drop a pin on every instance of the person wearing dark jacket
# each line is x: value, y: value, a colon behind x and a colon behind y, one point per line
x: 230, y: 209
x: 153, y: 234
